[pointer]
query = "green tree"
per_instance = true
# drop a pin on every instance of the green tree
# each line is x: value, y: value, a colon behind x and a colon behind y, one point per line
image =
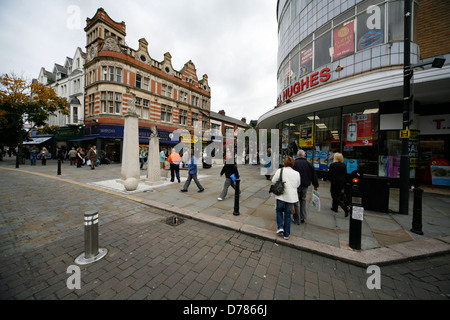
x: 23, y: 102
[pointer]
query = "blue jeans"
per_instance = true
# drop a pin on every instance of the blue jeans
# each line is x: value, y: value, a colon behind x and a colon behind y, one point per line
x: 283, y: 210
x: 33, y: 160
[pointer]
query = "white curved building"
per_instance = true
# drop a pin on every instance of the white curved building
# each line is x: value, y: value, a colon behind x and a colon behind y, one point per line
x: 340, y: 83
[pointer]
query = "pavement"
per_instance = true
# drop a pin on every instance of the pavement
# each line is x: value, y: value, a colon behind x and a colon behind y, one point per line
x: 386, y: 237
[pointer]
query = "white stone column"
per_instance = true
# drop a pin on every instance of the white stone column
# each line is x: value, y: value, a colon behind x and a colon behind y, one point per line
x: 153, y: 167
x: 130, y: 173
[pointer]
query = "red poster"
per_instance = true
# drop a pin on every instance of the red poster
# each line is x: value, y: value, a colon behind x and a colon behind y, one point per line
x: 344, y: 40
x: 359, y: 130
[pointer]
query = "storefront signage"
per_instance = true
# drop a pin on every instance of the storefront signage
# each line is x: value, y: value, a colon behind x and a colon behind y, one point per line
x: 305, y: 83
x: 359, y: 130
x: 405, y: 134
x: 344, y: 40
x: 435, y: 124
x: 306, y: 135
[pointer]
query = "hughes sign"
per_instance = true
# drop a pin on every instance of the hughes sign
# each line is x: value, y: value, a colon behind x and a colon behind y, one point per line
x: 305, y: 83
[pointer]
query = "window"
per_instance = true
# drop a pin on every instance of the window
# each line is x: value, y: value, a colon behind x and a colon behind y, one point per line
x: 195, y: 101
x: 119, y: 75
x: 322, y: 52
x: 75, y: 114
x: 146, y: 84
x: 166, y: 113
x: 183, y: 96
x: 111, y: 73
x: 91, y: 100
x: 195, y: 119
x: 183, y: 117
x: 138, y: 81
x: 370, y: 29
x: 111, y: 102
x: 105, y: 73
x: 395, y: 21
x: 205, y: 103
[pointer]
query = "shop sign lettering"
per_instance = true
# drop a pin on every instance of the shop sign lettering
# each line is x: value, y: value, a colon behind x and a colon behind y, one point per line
x: 305, y: 83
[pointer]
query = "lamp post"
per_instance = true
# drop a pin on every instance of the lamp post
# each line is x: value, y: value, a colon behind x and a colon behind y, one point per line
x: 408, y: 105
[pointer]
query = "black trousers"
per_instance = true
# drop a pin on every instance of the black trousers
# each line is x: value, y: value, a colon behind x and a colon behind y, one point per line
x: 335, y: 191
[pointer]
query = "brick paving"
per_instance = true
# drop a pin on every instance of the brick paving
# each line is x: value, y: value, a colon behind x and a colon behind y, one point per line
x: 41, y: 234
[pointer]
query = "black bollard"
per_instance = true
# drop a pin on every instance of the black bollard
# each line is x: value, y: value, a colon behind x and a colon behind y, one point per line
x: 417, y: 212
x: 236, y: 197
x: 59, y: 167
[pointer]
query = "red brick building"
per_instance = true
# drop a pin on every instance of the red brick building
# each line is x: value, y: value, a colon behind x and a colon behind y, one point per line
x: 165, y: 97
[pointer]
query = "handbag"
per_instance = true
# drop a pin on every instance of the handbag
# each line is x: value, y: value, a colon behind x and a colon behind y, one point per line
x: 278, y: 187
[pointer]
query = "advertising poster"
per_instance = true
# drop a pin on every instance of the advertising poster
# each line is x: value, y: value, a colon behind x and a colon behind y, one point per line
x: 306, y: 135
x: 309, y: 156
x: 440, y: 175
x: 285, y: 138
x: 316, y: 162
x: 323, y: 160
x: 352, y: 165
x: 344, y: 40
x: 359, y: 130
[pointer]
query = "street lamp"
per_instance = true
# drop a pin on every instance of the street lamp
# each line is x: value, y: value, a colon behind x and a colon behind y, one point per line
x: 408, y: 106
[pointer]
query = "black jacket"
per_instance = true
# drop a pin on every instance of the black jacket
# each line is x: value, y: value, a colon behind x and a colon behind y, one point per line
x: 337, y: 173
x: 229, y: 169
x: 307, y: 173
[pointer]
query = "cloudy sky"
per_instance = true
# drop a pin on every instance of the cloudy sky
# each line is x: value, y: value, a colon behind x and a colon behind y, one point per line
x: 234, y: 42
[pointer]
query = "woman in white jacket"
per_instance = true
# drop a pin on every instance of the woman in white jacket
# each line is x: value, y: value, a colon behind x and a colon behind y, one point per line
x: 286, y: 201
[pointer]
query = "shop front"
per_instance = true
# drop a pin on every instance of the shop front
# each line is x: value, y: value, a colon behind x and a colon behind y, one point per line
x: 369, y: 136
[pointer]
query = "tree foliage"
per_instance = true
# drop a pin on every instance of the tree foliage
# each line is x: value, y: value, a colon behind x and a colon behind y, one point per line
x: 23, y: 103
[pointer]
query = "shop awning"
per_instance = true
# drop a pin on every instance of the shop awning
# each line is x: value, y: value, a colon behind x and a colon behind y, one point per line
x: 38, y: 140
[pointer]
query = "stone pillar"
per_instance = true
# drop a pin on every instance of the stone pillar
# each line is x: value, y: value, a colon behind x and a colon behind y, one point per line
x: 153, y: 168
x: 130, y: 173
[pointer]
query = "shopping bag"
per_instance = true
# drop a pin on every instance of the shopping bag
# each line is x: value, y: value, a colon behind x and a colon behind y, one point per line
x: 315, y: 200
x: 88, y: 162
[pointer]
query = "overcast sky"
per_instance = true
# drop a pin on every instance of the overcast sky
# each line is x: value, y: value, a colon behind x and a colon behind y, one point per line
x: 234, y: 42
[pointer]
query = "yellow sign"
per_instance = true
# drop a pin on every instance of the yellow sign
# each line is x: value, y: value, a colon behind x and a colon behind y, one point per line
x: 404, y: 134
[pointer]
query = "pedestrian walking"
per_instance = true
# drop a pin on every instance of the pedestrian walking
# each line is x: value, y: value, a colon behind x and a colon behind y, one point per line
x: 80, y: 158
x: 229, y: 170
x: 269, y: 162
x: 286, y: 201
x: 337, y: 176
x: 192, y: 174
x: 44, y: 155
x: 143, y: 156
x: 174, y: 159
x: 33, y: 155
x: 307, y: 176
x: 92, y: 156
x: 162, y: 158
x: 72, y: 156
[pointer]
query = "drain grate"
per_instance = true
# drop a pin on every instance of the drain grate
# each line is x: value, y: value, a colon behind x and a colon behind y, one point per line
x: 174, y: 221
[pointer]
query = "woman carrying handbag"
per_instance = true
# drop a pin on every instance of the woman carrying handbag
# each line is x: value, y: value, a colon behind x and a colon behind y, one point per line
x: 286, y: 200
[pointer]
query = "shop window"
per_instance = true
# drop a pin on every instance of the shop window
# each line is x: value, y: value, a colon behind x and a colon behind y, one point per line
x: 360, y: 125
x: 327, y: 133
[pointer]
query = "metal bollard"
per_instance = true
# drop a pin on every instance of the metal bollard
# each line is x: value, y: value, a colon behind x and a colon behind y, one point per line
x: 92, y: 251
x: 59, y: 167
x: 236, y: 197
x: 417, y: 212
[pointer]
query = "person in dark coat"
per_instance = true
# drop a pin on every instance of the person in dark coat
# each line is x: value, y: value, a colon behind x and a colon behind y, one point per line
x: 308, y: 176
x: 337, y: 176
x: 228, y: 170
